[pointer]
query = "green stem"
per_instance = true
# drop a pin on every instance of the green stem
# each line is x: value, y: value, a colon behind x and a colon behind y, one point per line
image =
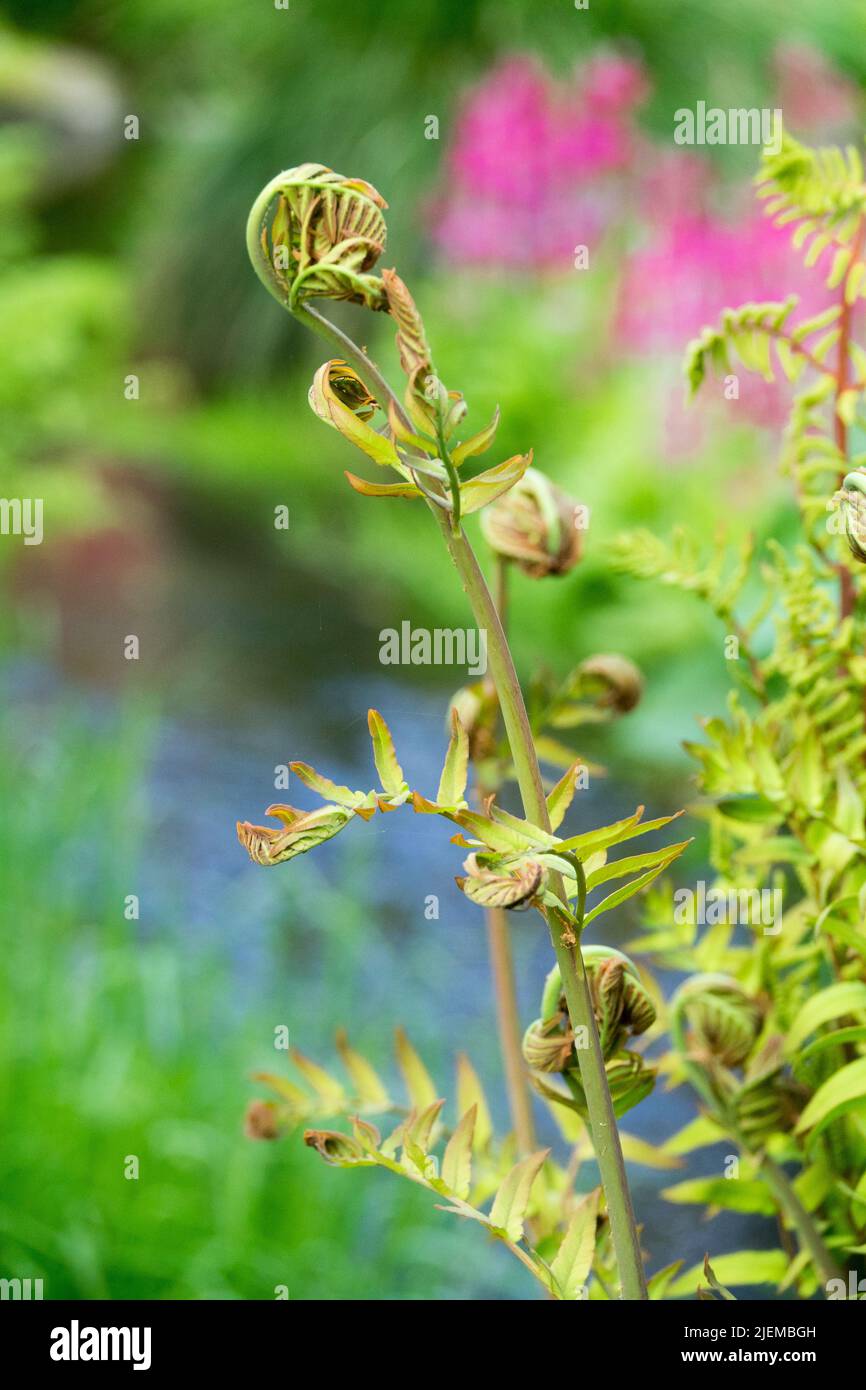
x: 602, y: 1120
x: 508, y: 1019
x: 807, y: 1232
x: 453, y: 479
x: 504, y: 988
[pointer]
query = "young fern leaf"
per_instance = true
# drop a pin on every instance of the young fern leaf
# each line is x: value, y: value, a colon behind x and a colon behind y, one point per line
x: 418, y: 1080
x: 609, y: 835
x: 628, y: 890
x: 752, y: 331
x: 478, y: 443
x: 470, y: 1094
x: 418, y: 1131
x: 570, y: 1269
x: 562, y: 795
x: 510, y: 1204
x: 714, y: 1283
x: 452, y: 783
x: 369, y: 1087
x: 389, y: 770
x: 826, y: 184
x: 457, y: 1158
x: 343, y: 796
x: 329, y: 1092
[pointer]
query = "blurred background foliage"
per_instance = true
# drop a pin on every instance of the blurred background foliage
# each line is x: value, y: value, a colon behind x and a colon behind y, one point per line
x: 123, y: 257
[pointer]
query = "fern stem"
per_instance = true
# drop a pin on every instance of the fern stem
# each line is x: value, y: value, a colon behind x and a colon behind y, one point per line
x: 602, y: 1121
x: 508, y: 1019
x: 502, y: 970
x: 807, y: 1232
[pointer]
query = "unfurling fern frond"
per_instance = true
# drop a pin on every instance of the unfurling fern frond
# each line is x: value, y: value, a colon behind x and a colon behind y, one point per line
x: 680, y: 564
x: 472, y: 1173
x: 803, y: 182
x: 823, y: 190
x: 753, y: 332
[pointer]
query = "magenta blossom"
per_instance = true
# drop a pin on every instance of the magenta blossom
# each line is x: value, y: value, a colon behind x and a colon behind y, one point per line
x: 534, y: 165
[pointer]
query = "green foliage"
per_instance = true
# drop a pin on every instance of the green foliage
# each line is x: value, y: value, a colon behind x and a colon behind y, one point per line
x: 511, y: 860
x: 530, y: 1205
x: 333, y: 237
x: 774, y: 1040
x: 118, y: 1041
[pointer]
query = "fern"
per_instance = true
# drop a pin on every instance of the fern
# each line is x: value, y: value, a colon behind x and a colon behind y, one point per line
x: 783, y: 774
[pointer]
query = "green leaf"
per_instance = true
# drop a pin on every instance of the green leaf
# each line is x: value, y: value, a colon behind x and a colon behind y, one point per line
x: 628, y: 890
x: 516, y: 888
x: 418, y: 1129
x: 633, y: 863
x: 560, y: 798
x: 845, y: 997
x: 367, y: 1135
x: 753, y: 809
x: 504, y: 839
x: 829, y: 1040
x: 457, y: 1158
x: 381, y: 489
x: 422, y: 443
x: 421, y: 1090
x: 328, y: 1089
x: 658, y: 1284
x: 340, y: 1150
x: 478, y: 443
x: 609, y: 835
x: 471, y: 1093
x: 512, y: 1199
x: 327, y: 405
x: 389, y: 770
x: 697, y: 1134
x: 733, y: 1194
x: 368, y: 1085
x: 714, y: 1283
x: 573, y: 1262
x: 452, y: 783
x: 492, y: 483
x: 301, y: 832
x: 741, y: 1267
x: 343, y: 796
x: 849, y: 936
x: 843, y: 1092
x: 846, y: 405
x: 636, y: 1150
x: 814, y: 325
x: 287, y: 1089
x: 530, y: 835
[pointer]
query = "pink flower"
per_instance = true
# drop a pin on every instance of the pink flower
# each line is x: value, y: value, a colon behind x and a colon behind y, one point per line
x: 696, y: 263
x: 530, y: 174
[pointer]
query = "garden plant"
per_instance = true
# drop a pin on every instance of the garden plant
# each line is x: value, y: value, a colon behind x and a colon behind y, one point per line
x: 770, y: 1031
